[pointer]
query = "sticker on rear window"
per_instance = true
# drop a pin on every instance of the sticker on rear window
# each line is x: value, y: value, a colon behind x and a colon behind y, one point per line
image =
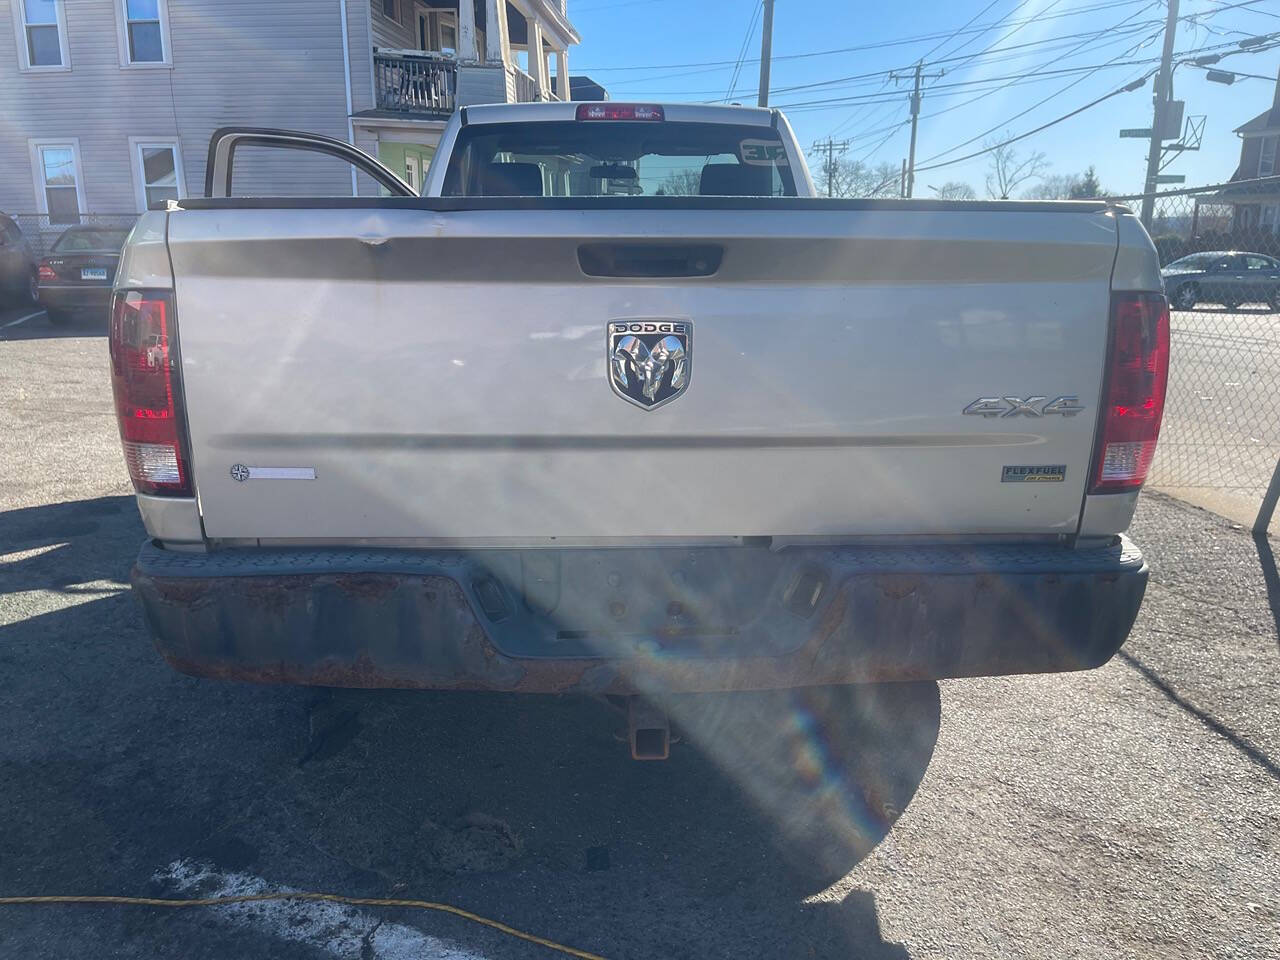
x: 1054, y: 473
x: 763, y: 153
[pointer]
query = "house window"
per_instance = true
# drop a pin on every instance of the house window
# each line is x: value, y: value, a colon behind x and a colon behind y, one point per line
x: 145, y: 29
x: 389, y: 9
x: 57, y: 175
x: 1267, y: 156
x: 157, y: 166
x: 43, y: 38
x: 447, y: 31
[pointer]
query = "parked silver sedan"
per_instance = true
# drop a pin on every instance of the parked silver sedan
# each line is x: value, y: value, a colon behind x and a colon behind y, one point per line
x: 1227, y: 277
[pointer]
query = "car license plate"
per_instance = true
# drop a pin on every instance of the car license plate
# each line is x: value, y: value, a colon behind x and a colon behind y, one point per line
x: 93, y: 273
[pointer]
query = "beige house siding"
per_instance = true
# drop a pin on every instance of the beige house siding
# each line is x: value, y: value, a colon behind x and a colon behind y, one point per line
x: 393, y: 34
x: 268, y: 63
x: 233, y: 62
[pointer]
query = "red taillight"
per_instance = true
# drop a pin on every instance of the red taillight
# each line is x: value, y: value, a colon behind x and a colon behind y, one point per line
x: 145, y: 381
x: 620, y: 111
x: 1133, y: 396
x: 47, y: 274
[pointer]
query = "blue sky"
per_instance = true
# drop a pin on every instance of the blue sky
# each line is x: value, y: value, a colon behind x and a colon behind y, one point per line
x: 677, y: 41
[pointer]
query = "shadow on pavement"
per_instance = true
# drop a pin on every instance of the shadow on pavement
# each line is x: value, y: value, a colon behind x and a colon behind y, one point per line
x: 39, y: 327
x: 64, y: 544
x: 1259, y: 756
x: 525, y: 809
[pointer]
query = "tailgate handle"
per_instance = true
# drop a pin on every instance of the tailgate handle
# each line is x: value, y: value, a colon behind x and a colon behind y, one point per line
x: 650, y: 259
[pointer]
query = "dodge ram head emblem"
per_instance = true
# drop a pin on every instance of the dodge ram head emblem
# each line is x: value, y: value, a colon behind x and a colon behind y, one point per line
x: 649, y: 360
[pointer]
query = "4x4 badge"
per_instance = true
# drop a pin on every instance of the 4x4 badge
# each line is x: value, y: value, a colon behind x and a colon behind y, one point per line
x: 1067, y: 406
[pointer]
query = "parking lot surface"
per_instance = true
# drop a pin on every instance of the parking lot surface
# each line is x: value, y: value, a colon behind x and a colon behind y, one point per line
x: 1131, y: 811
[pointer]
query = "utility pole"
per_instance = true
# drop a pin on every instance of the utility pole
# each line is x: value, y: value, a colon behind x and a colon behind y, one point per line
x: 917, y: 76
x: 829, y: 168
x: 766, y: 52
x: 1163, y: 94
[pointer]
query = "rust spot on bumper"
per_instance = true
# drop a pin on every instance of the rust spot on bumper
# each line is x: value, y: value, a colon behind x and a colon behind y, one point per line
x: 374, y: 628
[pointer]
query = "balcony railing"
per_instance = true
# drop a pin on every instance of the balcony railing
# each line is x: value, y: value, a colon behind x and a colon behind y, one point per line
x: 522, y: 86
x: 423, y: 84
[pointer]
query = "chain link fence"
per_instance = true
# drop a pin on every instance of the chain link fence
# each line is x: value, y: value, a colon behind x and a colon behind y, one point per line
x: 1221, y: 251
x: 42, y: 234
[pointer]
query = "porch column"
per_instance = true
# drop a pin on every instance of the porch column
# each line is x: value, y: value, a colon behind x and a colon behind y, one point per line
x: 467, y: 31
x: 537, y: 62
x: 495, y: 30
x: 562, y: 75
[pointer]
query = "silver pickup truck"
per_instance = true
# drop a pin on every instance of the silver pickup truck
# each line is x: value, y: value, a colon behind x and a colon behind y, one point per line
x: 620, y: 407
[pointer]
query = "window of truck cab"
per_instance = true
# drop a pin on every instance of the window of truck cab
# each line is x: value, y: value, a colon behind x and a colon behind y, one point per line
x: 577, y: 158
x: 41, y: 30
x: 142, y: 28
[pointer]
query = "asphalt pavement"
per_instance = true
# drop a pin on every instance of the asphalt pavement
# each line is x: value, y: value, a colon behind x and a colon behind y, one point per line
x: 1130, y: 811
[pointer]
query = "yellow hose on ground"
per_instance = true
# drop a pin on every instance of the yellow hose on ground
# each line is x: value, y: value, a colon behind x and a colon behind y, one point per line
x: 326, y: 897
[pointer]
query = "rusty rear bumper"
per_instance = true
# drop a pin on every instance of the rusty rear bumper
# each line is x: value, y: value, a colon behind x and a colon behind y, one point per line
x: 628, y: 620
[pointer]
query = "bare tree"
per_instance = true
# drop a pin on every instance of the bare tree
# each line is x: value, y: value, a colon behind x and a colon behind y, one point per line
x: 854, y: 178
x: 954, y: 190
x: 1056, y: 186
x: 1010, y: 169
x: 882, y: 180
x: 1066, y: 186
x: 681, y: 183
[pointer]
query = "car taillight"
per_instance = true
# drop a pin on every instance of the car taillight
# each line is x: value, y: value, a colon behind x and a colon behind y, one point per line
x: 620, y: 111
x: 1133, y: 394
x: 47, y: 273
x: 146, y: 381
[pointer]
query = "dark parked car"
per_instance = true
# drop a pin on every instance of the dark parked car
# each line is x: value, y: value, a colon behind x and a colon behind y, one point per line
x: 1227, y: 277
x: 76, y: 276
x: 19, y: 277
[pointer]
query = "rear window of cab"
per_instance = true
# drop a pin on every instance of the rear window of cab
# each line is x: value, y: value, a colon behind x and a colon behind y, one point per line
x: 618, y: 158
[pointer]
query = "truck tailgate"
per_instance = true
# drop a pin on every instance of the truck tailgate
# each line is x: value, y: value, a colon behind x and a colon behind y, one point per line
x: 443, y: 375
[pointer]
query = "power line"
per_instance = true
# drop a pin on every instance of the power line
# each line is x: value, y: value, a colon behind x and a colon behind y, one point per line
x: 892, y: 130
x: 1033, y: 106
x: 903, y: 41
x: 742, y: 51
x: 1127, y: 88
x: 960, y: 86
x: 857, y: 111
x: 1222, y: 7
x: 1114, y: 61
x: 1048, y: 43
x: 865, y: 79
x: 881, y: 76
x: 934, y: 49
x: 713, y: 66
x: 1132, y: 29
x: 1011, y: 81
